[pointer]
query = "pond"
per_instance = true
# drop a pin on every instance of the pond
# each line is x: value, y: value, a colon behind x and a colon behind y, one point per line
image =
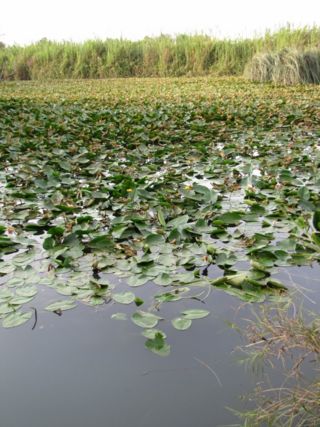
x: 139, y: 227
x: 84, y: 368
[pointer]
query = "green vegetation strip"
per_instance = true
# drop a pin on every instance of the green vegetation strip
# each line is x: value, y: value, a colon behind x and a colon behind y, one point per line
x: 183, y: 55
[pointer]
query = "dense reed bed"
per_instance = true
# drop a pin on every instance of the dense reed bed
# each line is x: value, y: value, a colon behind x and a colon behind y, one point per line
x: 285, y: 67
x: 187, y: 55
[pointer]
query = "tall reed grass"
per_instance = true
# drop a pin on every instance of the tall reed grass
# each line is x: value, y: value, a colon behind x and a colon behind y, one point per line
x: 285, y: 67
x: 159, y: 56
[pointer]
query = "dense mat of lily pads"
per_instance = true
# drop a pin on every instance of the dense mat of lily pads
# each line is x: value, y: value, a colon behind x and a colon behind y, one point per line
x: 181, y: 185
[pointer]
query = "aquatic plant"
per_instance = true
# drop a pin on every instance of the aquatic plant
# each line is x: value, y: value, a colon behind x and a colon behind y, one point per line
x: 186, y: 187
x: 283, y: 334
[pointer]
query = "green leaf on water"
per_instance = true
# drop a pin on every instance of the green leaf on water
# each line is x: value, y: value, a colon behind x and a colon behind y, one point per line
x: 16, y: 319
x: 48, y: 243
x: 316, y: 220
x: 230, y: 218
x: 164, y: 279
x: 25, y: 258
x: 182, y: 323
x: 161, y: 217
x: 5, y: 308
x: 5, y: 293
x: 101, y: 243
x: 61, y: 305
x: 151, y: 333
x: 27, y: 291
x: 138, y: 280
x: 138, y: 301
x: 158, y: 345
x: 195, y: 314
x: 154, y: 240
x: 124, y: 297
x: 119, y: 316
x: 145, y: 319
x: 179, y: 221
x: 19, y: 300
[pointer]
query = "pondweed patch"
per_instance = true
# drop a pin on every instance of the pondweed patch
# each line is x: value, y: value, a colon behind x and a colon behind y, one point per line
x: 164, y: 183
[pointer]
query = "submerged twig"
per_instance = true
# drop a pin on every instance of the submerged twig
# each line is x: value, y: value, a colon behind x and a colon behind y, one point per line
x: 35, y: 318
x: 209, y: 368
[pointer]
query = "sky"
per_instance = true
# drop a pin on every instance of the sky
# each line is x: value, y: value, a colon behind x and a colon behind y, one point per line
x: 26, y: 21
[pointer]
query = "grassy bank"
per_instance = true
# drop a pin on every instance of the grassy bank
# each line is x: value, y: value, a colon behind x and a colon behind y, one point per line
x: 160, y: 56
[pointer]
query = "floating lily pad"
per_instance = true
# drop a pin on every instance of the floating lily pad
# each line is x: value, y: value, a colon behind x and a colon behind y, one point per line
x: 16, y: 319
x: 119, y: 316
x: 145, y: 319
x: 61, y: 305
x: 182, y: 323
x: 195, y: 314
x: 124, y: 298
x: 158, y: 345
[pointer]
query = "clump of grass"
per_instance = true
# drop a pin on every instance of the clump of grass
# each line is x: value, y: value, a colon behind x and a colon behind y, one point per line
x: 22, y: 71
x: 280, y: 335
x: 286, y: 67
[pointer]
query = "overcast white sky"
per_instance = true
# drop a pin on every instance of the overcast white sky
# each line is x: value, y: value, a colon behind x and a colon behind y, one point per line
x: 24, y: 21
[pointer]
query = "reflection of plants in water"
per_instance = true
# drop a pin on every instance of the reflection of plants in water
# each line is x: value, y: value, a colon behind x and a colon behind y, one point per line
x: 284, y: 335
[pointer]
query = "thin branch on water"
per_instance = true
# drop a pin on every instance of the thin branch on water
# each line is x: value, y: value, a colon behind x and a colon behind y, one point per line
x: 299, y: 287
x: 35, y: 318
x: 209, y: 368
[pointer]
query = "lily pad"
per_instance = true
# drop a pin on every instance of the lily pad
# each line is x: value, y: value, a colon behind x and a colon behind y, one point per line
x: 61, y: 305
x: 16, y: 319
x: 158, y: 345
x: 195, y: 314
x: 182, y: 323
x: 124, y: 298
x: 145, y: 319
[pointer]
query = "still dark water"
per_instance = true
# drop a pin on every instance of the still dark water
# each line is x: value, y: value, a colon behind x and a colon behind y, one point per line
x: 83, y: 369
